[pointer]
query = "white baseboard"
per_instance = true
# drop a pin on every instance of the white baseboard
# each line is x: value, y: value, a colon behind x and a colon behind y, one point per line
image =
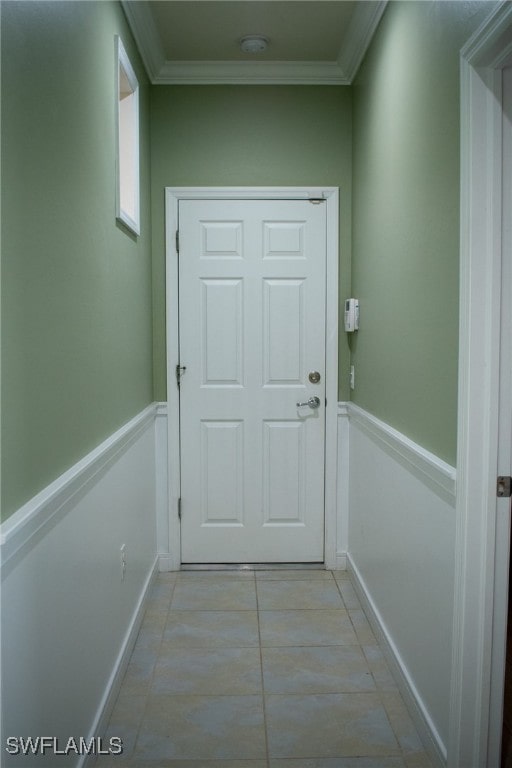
x: 115, y: 680
x: 166, y: 563
x: 419, y: 713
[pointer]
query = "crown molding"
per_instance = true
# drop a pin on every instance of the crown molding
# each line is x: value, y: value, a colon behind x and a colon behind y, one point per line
x: 359, y: 34
x: 341, y: 72
x: 251, y: 72
x: 146, y: 36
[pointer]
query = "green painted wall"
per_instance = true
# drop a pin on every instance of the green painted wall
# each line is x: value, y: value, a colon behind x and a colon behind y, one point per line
x: 252, y: 136
x: 76, y: 288
x: 79, y: 353
x: 406, y: 219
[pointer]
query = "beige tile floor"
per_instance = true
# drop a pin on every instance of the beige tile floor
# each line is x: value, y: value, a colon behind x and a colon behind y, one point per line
x: 259, y: 669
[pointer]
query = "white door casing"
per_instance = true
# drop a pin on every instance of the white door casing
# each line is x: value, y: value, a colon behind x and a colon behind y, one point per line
x: 475, y: 724
x: 504, y: 457
x: 279, y: 432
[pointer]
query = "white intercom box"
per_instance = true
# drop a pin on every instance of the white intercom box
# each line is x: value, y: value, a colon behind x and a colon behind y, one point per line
x: 351, y: 315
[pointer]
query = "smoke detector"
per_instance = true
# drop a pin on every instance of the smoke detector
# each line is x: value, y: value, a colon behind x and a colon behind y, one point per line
x: 253, y: 44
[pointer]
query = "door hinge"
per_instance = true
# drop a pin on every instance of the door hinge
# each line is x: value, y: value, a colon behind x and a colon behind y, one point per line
x: 177, y: 241
x: 179, y: 508
x: 180, y: 370
x: 504, y: 486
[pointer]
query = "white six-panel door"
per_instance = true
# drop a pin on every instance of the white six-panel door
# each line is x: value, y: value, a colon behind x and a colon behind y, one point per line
x: 252, y: 277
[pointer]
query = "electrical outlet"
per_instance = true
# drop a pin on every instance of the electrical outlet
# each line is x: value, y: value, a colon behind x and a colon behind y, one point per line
x: 123, y: 561
x: 352, y: 377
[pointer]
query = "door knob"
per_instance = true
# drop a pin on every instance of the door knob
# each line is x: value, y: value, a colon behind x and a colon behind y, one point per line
x: 313, y: 402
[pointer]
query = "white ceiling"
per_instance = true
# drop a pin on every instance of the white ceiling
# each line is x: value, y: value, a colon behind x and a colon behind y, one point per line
x: 197, y: 41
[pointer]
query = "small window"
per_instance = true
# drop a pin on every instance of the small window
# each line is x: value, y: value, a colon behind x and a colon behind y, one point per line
x: 127, y: 198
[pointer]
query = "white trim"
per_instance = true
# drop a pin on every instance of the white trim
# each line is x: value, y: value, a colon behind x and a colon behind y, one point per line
x: 246, y: 193
x: 146, y: 36
x: 166, y: 563
x: 113, y: 685
x: 161, y: 408
x: 331, y: 195
x: 331, y: 376
x: 129, y: 218
x: 480, y: 268
x: 415, y: 705
x: 160, y: 71
x: 434, y: 472
x: 342, y: 486
x: 398, y: 489
x: 173, y: 357
x: 358, y: 36
x: 161, y: 487
x: 33, y: 519
x: 504, y: 465
x: 251, y: 73
x: 62, y: 550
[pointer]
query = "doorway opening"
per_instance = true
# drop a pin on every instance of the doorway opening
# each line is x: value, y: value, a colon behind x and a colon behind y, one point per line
x: 277, y: 428
x: 482, y: 545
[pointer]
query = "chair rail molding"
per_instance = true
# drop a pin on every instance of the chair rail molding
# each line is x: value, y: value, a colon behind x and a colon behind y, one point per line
x: 432, y: 470
x: 34, y: 518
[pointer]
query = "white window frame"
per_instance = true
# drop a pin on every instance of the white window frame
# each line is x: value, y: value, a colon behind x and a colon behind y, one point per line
x: 127, y: 144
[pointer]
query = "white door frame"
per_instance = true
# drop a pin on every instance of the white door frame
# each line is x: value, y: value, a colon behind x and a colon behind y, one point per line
x: 172, y: 197
x: 473, y: 728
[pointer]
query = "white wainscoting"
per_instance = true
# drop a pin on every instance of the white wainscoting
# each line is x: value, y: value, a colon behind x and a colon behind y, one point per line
x: 69, y: 619
x: 396, y: 504
x: 342, y: 486
x: 167, y: 556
